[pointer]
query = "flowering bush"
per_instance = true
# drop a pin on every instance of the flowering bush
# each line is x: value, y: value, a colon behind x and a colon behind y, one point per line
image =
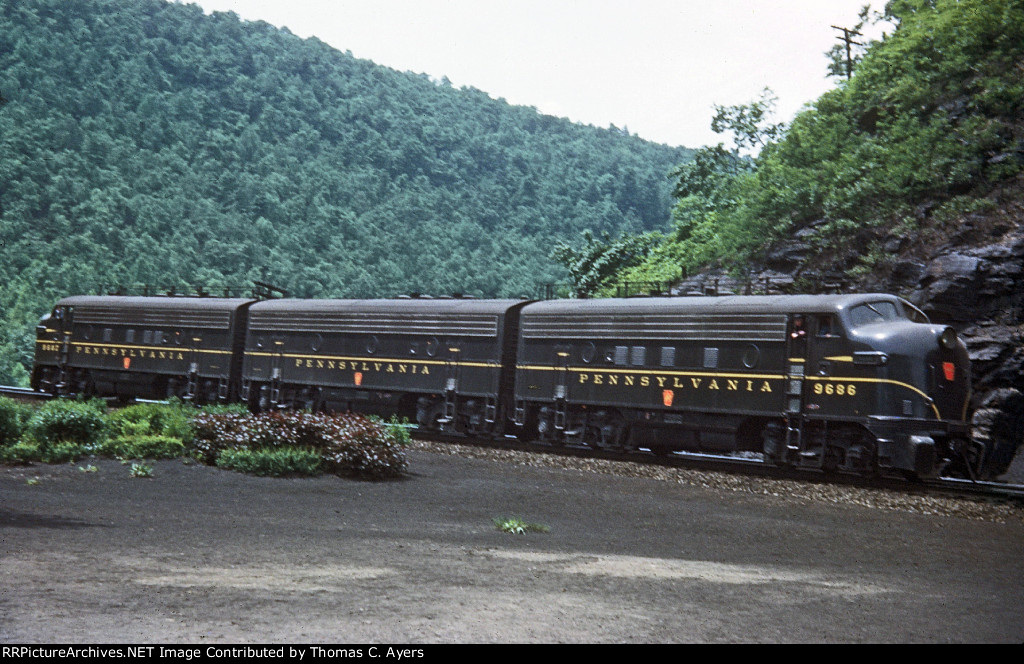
x: 348, y: 444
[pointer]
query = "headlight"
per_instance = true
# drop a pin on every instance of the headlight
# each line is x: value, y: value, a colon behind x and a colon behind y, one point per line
x: 948, y: 338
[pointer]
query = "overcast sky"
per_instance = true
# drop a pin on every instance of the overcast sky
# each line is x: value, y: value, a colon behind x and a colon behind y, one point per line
x: 656, y: 67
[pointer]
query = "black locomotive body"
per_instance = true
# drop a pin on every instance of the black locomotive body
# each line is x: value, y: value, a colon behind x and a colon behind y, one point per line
x: 141, y: 347
x: 444, y: 363
x: 854, y: 382
x: 850, y: 382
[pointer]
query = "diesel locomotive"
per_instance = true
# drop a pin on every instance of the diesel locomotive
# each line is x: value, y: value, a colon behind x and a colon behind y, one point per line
x: 859, y: 383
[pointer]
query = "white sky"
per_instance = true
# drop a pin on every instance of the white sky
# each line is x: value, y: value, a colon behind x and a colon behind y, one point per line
x: 656, y: 67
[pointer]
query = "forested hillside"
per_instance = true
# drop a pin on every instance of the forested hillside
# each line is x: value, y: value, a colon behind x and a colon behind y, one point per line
x: 143, y: 142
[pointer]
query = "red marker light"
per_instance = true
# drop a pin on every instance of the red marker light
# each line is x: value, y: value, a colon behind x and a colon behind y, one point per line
x: 949, y: 369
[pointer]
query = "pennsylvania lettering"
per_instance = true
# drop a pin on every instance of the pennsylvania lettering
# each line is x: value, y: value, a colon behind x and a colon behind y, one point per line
x: 712, y: 383
x: 128, y: 351
x: 361, y: 365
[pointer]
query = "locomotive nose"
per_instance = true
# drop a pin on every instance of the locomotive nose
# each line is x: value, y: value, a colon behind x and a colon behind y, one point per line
x: 932, y: 362
x: 952, y: 374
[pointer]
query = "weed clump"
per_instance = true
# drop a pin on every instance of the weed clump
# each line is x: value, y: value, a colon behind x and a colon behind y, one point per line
x: 518, y: 526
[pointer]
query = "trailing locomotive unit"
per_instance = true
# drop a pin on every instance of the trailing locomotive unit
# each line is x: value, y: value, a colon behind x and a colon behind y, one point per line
x: 447, y: 363
x: 141, y: 347
x: 850, y: 382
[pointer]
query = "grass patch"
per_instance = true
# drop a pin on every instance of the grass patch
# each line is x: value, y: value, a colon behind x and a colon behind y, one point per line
x: 273, y: 462
x: 517, y: 526
x: 142, y: 447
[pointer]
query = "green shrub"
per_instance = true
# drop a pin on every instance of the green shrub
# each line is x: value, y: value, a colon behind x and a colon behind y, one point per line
x: 143, y: 446
x: 13, y: 416
x: 29, y: 451
x: 62, y: 452
x: 275, y: 462
x: 23, y: 451
x: 151, y: 419
x: 398, y: 429
x: 80, y: 422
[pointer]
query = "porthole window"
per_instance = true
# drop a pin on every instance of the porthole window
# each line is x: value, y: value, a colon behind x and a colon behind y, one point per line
x: 432, y: 345
x: 372, y: 345
x: 588, y: 352
x: 317, y: 343
x: 751, y: 356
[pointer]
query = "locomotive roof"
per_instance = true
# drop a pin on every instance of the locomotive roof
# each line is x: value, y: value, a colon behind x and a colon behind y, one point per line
x: 727, y: 304
x: 400, y: 306
x: 153, y: 303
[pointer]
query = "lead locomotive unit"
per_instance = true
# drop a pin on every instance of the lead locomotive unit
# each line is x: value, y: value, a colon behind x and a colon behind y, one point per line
x: 851, y: 382
x: 857, y: 383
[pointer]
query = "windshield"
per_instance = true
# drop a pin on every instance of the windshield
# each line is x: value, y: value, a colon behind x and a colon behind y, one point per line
x: 913, y: 313
x: 874, y: 312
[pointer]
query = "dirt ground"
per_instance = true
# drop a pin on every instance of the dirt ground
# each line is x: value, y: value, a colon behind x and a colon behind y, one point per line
x: 197, y: 555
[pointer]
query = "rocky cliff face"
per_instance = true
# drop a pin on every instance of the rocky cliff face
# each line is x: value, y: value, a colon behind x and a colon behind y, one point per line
x: 962, y: 269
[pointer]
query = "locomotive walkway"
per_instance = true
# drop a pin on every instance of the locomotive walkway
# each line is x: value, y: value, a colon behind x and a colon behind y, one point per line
x: 199, y: 555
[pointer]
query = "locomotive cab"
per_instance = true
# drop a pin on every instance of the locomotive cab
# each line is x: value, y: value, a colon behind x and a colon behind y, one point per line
x: 910, y: 382
x: 49, y: 373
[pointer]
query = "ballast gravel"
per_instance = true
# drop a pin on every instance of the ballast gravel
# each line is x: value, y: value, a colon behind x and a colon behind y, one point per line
x: 897, y: 501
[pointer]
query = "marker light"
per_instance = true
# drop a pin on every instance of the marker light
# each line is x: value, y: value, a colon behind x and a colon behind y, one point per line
x: 948, y: 338
x: 949, y: 369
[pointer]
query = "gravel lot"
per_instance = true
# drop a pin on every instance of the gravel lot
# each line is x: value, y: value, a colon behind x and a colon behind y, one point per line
x: 633, y: 554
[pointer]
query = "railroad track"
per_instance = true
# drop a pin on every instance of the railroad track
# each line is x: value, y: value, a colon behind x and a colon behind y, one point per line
x: 752, y: 465
x: 23, y: 393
